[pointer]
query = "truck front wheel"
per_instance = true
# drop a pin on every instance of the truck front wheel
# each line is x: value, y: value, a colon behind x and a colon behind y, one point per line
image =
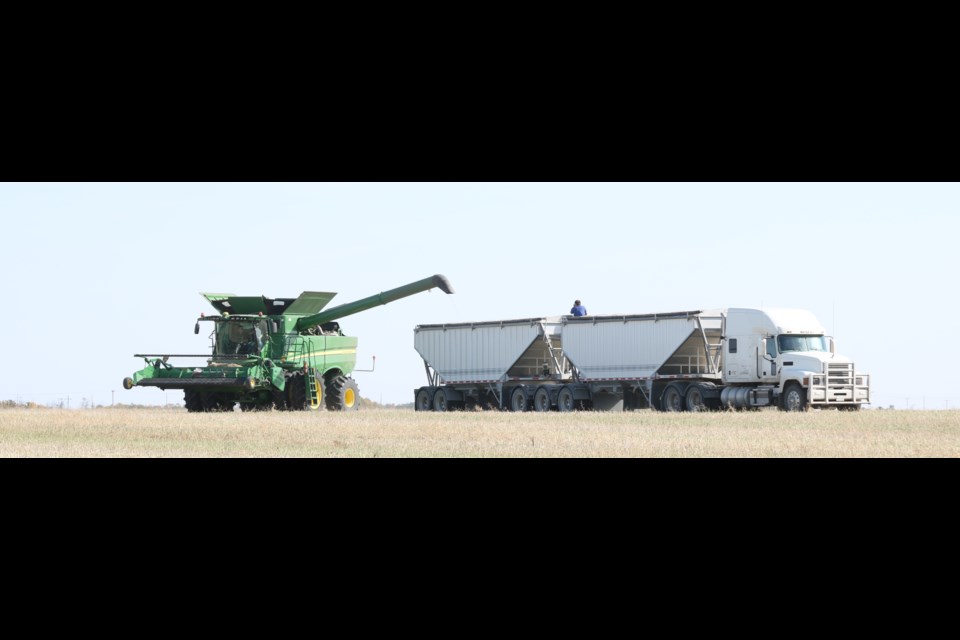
x: 794, y: 398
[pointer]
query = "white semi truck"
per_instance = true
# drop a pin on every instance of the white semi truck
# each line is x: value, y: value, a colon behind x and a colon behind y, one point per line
x: 680, y: 361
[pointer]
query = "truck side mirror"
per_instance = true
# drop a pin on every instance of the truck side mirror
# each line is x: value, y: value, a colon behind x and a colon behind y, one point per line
x: 833, y: 347
x: 196, y: 327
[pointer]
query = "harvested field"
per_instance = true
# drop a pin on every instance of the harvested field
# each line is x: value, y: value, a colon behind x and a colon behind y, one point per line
x: 383, y: 433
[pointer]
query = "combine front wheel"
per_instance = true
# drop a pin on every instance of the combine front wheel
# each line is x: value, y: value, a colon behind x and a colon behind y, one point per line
x: 192, y: 400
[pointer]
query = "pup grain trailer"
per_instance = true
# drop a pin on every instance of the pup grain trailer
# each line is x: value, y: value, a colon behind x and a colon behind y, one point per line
x: 499, y: 364
x: 679, y: 361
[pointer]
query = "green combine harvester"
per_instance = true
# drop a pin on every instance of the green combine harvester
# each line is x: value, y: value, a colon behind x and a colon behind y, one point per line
x: 282, y: 353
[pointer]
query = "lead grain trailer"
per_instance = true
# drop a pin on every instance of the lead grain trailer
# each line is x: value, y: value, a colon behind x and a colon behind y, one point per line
x: 680, y: 361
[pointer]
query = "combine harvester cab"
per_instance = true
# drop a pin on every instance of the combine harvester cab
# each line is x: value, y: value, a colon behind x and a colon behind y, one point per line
x: 283, y: 353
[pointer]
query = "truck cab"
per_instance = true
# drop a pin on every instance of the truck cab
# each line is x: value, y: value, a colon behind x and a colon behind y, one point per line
x: 787, y: 358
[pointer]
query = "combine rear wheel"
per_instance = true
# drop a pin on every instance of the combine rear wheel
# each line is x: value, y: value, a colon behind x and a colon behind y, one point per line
x: 342, y: 394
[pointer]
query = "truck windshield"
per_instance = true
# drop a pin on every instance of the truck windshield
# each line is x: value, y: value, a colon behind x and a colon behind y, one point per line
x: 802, y: 343
x: 239, y: 337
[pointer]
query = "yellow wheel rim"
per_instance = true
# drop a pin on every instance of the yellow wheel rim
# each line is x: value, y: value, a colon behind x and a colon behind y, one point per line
x: 348, y: 398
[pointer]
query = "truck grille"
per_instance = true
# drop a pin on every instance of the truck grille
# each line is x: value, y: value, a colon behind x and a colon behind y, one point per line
x: 839, y: 374
x: 839, y: 384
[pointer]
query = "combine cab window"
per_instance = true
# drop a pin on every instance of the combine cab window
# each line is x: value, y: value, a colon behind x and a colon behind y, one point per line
x: 240, y: 337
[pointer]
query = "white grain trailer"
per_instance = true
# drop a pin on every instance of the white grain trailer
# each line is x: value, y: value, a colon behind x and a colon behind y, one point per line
x: 491, y: 364
x: 625, y: 362
x: 680, y: 361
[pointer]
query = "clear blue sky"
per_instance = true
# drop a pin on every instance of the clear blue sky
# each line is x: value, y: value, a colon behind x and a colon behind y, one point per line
x: 95, y: 272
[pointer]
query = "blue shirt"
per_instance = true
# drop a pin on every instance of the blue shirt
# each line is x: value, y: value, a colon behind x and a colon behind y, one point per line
x: 579, y: 310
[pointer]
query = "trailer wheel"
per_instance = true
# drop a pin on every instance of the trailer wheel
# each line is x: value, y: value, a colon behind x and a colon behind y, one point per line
x: 672, y: 398
x: 518, y: 399
x: 694, y: 398
x: 565, y: 400
x: 424, y: 399
x: 440, y: 401
x: 541, y: 399
x: 794, y: 398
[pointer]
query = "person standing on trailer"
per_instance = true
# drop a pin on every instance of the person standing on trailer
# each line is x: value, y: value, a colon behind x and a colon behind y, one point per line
x: 578, y: 309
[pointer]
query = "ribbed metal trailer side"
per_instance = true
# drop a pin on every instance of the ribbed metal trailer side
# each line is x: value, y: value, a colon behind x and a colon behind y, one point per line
x: 632, y: 347
x: 471, y: 361
x: 633, y: 357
